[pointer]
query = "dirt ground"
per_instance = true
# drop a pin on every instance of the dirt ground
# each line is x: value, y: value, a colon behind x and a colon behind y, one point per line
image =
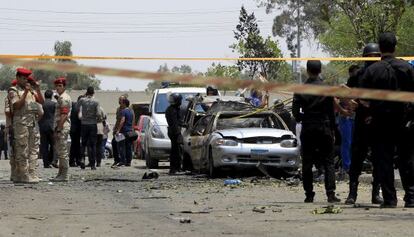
x: 117, y: 202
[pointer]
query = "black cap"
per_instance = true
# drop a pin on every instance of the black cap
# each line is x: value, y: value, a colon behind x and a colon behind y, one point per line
x: 314, y: 66
x: 371, y: 49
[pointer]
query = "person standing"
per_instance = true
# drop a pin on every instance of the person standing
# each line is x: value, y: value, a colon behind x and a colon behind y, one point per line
x: 362, y: 134
x: 46, y: 130
x: 391, y: 124
x: 316, y: 113
x: 125, y: 127
x: 26, y: 111
x: 99, y: 140
x: 173, y: 116
x: 9, y: 126
x: 75, y: 158
x: 114, y: 142
x: 89, y: 107
x: 62, y: 128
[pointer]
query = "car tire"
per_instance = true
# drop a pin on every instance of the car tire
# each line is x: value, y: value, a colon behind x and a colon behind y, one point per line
x: 151, y: 162
x: 212, y: 171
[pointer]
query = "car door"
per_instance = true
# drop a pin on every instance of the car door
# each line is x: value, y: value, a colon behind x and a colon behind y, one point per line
x: 197, y: 139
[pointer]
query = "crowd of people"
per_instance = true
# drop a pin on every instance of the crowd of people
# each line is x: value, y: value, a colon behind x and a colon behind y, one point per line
x: 383, y: 127
x: 39, y: 126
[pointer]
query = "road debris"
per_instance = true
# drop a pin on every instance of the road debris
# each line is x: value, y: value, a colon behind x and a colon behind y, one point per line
x: 204, y: 211
x: 150, y: 175
x: 41, y: 218
x: 331, y: 209
x: 155, y: 197
x: 185, y: 220
x: 259, y: 209
x: 229, y: 182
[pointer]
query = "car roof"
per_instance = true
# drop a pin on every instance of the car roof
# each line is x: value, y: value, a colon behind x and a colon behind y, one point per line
x: 182, y: 90
x: 211, y: 99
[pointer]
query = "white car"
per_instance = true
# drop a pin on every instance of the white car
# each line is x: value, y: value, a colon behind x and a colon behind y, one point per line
x: 157, y: 144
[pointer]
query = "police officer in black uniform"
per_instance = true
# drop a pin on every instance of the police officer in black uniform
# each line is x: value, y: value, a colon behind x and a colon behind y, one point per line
x: 361, y: 136
x: 390, y: 126
x: 173, y: 116
x: 317, y: 136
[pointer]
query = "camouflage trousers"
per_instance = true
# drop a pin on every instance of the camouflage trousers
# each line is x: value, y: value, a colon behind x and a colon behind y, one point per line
x: 61, y: 149
x: 26, y: 150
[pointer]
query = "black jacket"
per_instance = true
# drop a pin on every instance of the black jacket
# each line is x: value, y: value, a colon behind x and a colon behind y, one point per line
x: 46, y: 123
x: 315, y: 109
x: 173, y: 116
x: 389, y: 74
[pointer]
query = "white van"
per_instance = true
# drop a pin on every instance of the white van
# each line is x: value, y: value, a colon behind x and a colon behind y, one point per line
x: 157, y: 144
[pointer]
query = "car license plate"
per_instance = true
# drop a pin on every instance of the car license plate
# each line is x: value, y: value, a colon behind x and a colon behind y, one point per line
x: 258, y: 154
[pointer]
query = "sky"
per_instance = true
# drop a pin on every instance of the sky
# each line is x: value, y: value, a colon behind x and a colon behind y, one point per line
x: 134, y: 28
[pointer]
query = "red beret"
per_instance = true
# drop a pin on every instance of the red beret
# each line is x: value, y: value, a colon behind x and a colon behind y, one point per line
x: 14, y: 82
x: 60, y: 80
x: 23, y: 71
x: 30, y: 78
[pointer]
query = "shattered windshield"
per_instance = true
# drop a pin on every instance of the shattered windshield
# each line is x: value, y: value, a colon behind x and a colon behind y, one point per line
x: 227, y: 122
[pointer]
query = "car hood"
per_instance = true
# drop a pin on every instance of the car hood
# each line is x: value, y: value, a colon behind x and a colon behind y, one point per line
x: 241, y: 133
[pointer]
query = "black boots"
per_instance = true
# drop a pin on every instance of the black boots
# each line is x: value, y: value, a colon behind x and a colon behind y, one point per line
x: 309, y: 197
x: 353, y: 193
x: 376, y: 198
x: 332, y: 198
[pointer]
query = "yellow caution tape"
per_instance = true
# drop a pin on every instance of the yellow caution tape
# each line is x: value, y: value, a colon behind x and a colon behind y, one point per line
x: 17, y: 56
x: 219, y: 81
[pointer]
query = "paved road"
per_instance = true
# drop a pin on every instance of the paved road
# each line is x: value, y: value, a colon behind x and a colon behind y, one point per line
x: 110, y: 202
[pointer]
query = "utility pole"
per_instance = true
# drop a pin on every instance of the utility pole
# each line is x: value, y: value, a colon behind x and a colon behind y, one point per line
x: 298, y: 71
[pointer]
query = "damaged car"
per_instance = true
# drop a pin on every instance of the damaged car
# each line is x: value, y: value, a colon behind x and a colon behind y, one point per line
x: 241, y: 139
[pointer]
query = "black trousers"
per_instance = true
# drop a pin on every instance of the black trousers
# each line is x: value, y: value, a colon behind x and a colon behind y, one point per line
x: 386, y: 136
x: 46, y: 147
x: 175, y: 152
x: 115, y: 152
x: 89, y: 134
x: 317, y: 148
x: 75, y: 147
x: 405, y: 163
x: 99, y: 152
x: 360, y: 148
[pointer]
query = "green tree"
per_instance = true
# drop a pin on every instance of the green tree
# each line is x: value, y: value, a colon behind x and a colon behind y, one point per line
x: 7, y: 74
x: 250, y: 44
x: 219, y: 70
x: 183, y: 69
x: 75, y: 81
x: 342, y: 27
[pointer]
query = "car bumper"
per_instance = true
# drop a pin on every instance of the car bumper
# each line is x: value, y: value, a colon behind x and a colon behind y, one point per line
x: 159, y: 149
x: 244, y: 157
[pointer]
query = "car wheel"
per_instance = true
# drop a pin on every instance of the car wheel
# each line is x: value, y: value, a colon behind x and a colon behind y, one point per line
x: 212, y: 171
x: 151, y: 162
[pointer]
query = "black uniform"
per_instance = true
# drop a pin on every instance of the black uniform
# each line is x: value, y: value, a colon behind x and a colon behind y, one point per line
x: 361, y: 138
x: 173, y: 116
x: 75, y: 136
x: 46, y: 132
x: 318, y: 122
x: 389, y: 130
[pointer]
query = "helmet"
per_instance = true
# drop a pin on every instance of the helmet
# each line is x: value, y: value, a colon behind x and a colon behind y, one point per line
x: 370, y: 49
x: 314, y: 66
x: 175, y: 99
x: 278, y: 104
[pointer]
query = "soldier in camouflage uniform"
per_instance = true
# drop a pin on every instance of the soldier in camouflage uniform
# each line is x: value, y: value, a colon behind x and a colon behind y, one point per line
x: 62, y: 128
x: 9, y: 130
x: 26, y: 111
